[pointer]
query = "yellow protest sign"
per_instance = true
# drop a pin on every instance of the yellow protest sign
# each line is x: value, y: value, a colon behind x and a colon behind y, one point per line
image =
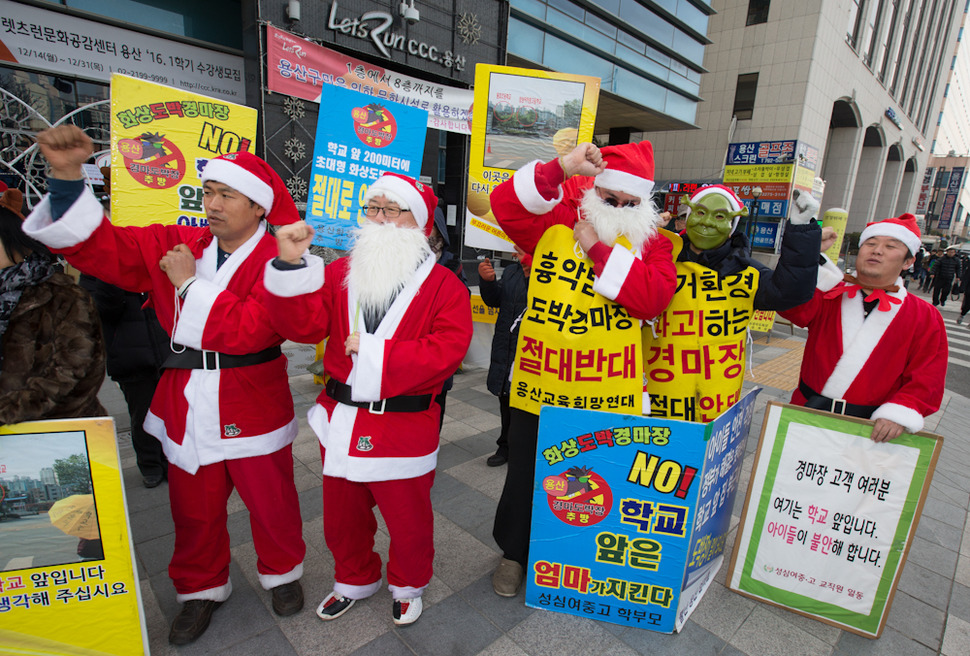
x: 68, y: 583
x: 754, y: 173
x: 694, y: 352
x: 762, y: 321
x: 520, y: 115
x: 161, y: 138
x: 482, y: 313
x: 837, y: 219
x: 576, y: 348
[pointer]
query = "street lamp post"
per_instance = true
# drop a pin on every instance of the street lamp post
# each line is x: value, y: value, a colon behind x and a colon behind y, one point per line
x: 753, y: 219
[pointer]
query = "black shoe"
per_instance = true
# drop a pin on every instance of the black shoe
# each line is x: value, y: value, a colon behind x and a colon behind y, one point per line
x: 152, y: 480
x: 192, y: 621
x: 497, y: 459
x: 288, y: 599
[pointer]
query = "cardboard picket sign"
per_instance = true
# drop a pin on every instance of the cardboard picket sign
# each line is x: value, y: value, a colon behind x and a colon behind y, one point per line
x: 631, y: 513
x: 829, y: 516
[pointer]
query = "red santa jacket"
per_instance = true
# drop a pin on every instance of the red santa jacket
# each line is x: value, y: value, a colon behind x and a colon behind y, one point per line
x: 526, y: 206
x: 420, y: 343
x: 894, y: 359
x: 201, y: 417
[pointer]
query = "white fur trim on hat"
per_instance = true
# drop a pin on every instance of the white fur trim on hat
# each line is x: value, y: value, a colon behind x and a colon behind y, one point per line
x: 243, y: 181
x: 894, y: 230
x: 714, y: 189
x: 616, y: 180
x: 401, y: 192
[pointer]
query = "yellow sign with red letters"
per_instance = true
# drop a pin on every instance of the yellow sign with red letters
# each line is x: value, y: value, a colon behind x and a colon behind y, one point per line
x: 694, y: 352
x: 161, y: 138
x: 576, y: 348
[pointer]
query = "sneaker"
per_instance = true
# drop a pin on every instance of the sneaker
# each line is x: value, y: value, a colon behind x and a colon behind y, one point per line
x: 507, y: 578
x: 407, y: 611
x: 333, y: 606
x: 288, y: 599
x: 192, y: 621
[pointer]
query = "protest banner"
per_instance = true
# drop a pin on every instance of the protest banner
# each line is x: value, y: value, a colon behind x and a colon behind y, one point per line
x: 524, y: 115
x: 762, y: 321
x: 482, y: 313
x: 68, y: 583
x: 301, y: 68
x: 357, y: 140
x: 161, y: 139
x: 630, y: 513
x: 830, y: 516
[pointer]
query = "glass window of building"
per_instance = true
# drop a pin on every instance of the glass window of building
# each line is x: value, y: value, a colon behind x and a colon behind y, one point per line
x: 744, y: 96
x: 856, y: 8
x: 757, y: 12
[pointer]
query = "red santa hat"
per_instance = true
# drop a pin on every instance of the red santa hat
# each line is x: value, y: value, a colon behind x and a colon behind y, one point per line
x: 409, y: 194
x: 903, y: 228
x: 629, y: 168
x: 727, y: 193
x: 253, y: 177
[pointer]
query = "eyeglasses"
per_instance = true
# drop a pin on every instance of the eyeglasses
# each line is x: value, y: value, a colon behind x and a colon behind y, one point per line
x: 613, y: 202
x: 389, y: 212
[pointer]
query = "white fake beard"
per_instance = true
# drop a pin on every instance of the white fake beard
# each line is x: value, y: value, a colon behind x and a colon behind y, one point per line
x: 382, y: 260
x: 638, y: 224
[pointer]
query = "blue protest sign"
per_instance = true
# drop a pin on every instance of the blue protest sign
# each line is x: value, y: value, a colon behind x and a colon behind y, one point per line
x: 629, y: 510
x: 358, y: 138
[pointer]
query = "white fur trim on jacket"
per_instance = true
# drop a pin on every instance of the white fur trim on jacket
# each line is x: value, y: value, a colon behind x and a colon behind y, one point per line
x: 220, y: 593
x: 194, y: 315
x: 368, y: 369
x: 908, y: 418
x: 270, y: 581
x: 617, y: 268
x: 76, y: 226
x: 195, y: 450
x: 524, y: 183
x: 246, y: 183
x: 860, y: 335
x: 295, y: 282
x: 829, y: 275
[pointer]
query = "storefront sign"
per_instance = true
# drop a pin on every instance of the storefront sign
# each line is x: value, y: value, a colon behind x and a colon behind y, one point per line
x: 830, y: 516
x: 300, y: 68
x: 357, y: 140
x: 761, y: 152
x: 523, y: 115
x: 68, y: 583
x: 377, y: 27
x: 60, y: 43
x: 161, y: 139
x: 630, y: 514
x: 765, y: 234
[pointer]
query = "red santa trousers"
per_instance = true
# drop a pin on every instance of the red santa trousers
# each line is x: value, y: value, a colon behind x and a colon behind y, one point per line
x: 200, y: 564
x: 349, y: 526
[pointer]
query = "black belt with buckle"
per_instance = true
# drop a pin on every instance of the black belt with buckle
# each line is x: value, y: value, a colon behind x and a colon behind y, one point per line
x: 838, y: 406
x: 191, y: 358
x: 340, y: 392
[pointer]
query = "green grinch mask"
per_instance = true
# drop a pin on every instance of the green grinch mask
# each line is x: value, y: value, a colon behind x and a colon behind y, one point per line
x: 710, y: 220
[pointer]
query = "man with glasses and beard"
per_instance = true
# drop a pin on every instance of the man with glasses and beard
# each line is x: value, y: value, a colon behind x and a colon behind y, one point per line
x: 397, y: 325
x: 598, y: 271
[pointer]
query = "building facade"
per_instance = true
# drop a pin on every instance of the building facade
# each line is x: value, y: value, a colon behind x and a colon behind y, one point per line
x: 861, y: 81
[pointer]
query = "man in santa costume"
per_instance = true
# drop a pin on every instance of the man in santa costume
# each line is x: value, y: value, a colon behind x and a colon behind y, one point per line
x: 598, y: 271
x: 222, y: 410
x: 874, y: 350
x: 397, y: 325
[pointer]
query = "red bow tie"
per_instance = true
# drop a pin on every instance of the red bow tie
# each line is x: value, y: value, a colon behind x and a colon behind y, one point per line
x: 851, y: 286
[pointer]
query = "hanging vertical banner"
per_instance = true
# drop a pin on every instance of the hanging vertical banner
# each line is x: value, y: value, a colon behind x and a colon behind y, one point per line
x: 161, y: 138
x: 630, y: 514
x: 830, y: 516
x: 357, y: 140
x: 524, y: 115
x: 68, y: 583
x: 953, y: 189
x: 301, y: 68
